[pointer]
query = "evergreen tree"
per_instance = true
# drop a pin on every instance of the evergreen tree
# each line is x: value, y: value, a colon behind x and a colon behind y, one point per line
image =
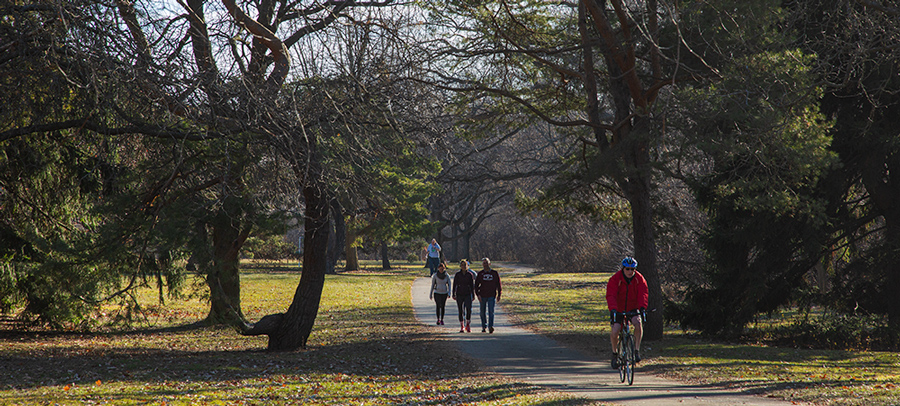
x: 758, y: 144
x: 859, y: 67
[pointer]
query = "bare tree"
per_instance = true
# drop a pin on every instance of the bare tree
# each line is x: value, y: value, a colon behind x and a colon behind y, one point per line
x: 480, y: 176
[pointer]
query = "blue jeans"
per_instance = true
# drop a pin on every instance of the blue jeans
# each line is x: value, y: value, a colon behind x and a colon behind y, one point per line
x: 489, y: 303
x: 433, y: 263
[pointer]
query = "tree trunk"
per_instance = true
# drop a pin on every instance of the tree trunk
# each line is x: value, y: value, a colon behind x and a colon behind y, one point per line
x: 296, y: 324
x: 223, y: 276
x: 385, y: 262
x: 638, y: 190
x: 892, y: 280
x: 337, y: 239
x: 352, y: 257
x: 340, y: 229
x: 331, y: 250
x: 464, y: 246
x: 884, y: 190
x: 454, y: 243
x: 645, y: 251
x: 823, y: 272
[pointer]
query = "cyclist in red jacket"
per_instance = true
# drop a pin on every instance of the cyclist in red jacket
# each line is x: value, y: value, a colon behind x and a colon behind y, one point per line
x: 626, y: 291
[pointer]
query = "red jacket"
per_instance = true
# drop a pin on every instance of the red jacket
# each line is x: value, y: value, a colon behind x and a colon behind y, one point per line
x: 622, y: 296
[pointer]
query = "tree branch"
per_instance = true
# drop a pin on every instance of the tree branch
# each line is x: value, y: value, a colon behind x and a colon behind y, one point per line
x: 622, y: 55
x: 519, y: 100
x: 267, y: 38
x: 884, y: 9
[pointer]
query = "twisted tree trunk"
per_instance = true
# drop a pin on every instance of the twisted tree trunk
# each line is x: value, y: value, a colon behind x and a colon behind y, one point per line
x: 296, y: 324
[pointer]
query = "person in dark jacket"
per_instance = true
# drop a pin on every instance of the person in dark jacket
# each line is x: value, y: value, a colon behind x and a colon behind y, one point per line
x: 488, y: 290
x: 626, y: 291
x: 463, y: 292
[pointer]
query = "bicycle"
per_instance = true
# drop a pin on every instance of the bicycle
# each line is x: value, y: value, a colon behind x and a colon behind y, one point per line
x: 626, y: 348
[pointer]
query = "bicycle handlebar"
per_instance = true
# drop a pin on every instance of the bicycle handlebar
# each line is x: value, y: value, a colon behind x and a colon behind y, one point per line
x: 631, y: 313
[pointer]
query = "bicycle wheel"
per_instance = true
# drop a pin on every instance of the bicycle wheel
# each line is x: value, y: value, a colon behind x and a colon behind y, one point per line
x: 629, y: 358
x: 621, y: 361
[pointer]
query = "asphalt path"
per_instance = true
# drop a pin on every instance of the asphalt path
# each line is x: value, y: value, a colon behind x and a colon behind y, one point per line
x: 528, y: 357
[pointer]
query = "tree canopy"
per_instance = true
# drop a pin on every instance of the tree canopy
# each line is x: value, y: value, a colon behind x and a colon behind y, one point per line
x: 149, y: 140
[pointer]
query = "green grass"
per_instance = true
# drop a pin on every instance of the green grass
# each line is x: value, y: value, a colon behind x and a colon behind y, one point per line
x: 366, y: 349
x: 571, y: 308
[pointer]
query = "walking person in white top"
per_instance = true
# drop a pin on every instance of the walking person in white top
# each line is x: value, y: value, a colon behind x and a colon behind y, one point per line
x: 440, y: 290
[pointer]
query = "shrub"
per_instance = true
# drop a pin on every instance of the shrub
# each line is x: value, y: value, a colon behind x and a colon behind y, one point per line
x: 836, y: 331
x: 269, y: 247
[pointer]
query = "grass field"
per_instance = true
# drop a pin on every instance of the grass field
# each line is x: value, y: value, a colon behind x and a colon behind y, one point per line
x: 571, y: 308
x: 366, y: 349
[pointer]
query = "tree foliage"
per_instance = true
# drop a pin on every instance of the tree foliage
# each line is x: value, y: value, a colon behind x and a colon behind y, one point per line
x: 759, y: 146
x: 798, y: 153
x: 208, y: 116
x: 859, y: 68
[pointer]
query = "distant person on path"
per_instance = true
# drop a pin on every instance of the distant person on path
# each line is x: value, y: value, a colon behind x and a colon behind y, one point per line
x: 626, y: 291
x: 434, y: 256
x: 440, y: 290
x: 463, y: 290
x: 487, y: 288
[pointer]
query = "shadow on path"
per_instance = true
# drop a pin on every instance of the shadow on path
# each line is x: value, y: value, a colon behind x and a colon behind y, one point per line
x: 523, y: 355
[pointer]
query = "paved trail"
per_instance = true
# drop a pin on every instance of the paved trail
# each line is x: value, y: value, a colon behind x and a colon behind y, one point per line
x: 528, y: 357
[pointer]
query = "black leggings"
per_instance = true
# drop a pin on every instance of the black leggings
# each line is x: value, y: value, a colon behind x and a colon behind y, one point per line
x: 464, y: 303
x: 440, y: 300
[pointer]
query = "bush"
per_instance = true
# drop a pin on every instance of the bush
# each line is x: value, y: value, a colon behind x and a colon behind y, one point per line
x: 836, y: 331
x: 269, y: 247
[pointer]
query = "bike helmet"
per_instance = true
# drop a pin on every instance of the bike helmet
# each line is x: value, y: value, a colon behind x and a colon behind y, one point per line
x: 629, y: 262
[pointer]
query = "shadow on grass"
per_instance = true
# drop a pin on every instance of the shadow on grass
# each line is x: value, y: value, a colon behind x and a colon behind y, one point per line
x: 25, y: 335
x: 345, y: 342
x: 387, y: 369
